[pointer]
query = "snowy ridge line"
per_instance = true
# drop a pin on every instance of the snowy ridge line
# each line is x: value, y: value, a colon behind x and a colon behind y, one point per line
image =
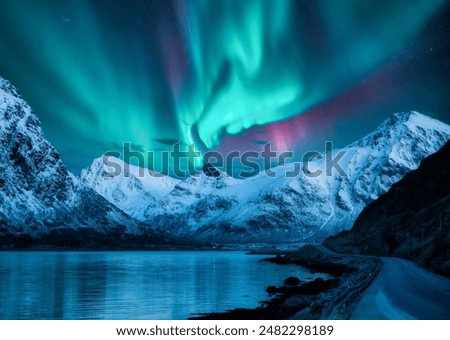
x: 263, y: 209
x: 38, y: 193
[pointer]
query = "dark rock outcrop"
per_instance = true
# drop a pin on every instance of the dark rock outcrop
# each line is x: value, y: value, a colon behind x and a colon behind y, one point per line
x: 412, y: 220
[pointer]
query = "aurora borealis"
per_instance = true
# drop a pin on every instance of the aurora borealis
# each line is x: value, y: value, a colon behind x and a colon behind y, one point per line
x: 222, y: 74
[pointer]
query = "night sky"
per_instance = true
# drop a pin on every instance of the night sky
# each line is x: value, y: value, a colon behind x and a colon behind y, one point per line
x: 223, y: 74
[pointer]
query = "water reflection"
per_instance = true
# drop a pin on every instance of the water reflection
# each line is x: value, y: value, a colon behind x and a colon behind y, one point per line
x: 132, y: 285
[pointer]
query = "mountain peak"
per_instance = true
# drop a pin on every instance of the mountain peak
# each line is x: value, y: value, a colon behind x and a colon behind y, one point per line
x: 37, y: 193
x: 412, y: 118
x: 210, y: 171
x: 406, y: 115
x: 405, y: 126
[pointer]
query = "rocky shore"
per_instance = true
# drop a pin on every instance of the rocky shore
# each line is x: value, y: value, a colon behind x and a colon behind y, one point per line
x: 330, y: 298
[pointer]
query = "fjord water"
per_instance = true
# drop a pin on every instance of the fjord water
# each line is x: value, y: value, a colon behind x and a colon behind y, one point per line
x: 133, y: 285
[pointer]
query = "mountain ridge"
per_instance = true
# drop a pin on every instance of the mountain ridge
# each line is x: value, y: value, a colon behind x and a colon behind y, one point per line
x: 261, y: 209
x: 38, y: 195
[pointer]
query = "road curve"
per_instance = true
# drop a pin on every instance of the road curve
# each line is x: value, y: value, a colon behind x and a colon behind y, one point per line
x: 402, y: 290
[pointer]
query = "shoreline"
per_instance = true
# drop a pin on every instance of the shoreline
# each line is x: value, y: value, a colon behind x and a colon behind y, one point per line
x: 250, y: 249
x: 312, y: 300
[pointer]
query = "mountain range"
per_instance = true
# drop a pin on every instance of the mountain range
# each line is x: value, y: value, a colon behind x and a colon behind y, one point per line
x: 280, y: 209
x: 40, y: 197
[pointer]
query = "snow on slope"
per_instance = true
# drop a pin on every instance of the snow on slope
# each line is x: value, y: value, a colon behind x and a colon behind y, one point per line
x: 194, y: 202
x: 37, y: 192
x: 302, y: 208
x: 310, y: 208
x: 131, y: 189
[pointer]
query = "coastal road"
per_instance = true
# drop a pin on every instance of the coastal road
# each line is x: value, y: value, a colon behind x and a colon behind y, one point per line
x: 403, y: 290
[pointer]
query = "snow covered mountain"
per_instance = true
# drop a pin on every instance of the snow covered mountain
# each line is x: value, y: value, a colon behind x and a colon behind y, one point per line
x: 131, y: 189
x: 222, y: 209
x: 37, y: 193
x: 412, y: 220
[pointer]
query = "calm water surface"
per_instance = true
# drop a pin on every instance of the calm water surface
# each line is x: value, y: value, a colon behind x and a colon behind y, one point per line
x: 133, y: 285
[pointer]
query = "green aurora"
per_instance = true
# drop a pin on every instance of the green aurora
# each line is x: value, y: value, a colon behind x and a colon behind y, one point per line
x: 100, y: 73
